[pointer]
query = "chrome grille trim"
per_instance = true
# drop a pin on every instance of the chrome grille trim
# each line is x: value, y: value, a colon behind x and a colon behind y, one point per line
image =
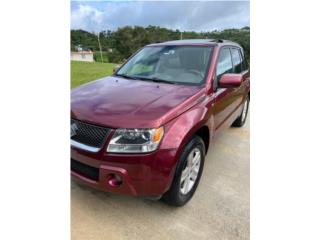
x: 83, y: 146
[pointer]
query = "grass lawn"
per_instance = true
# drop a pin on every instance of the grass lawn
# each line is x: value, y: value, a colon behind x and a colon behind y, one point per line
x: 83, y: 72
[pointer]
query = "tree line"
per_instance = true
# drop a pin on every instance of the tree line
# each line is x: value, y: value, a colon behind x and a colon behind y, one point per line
x: 120, y: 44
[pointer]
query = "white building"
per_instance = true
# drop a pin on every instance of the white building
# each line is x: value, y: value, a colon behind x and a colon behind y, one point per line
x: 85, y: 56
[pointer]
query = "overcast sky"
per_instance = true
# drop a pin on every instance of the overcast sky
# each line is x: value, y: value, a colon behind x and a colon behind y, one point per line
x: 185, y: 16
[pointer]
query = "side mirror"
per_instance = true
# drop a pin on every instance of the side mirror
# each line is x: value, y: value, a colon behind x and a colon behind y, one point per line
x: 116, y: 68
x: 230, y: 80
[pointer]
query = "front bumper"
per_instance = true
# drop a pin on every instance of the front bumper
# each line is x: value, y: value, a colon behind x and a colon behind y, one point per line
x: 147, y: 175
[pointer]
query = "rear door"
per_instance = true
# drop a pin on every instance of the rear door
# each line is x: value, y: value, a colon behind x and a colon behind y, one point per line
x: 239, y: 67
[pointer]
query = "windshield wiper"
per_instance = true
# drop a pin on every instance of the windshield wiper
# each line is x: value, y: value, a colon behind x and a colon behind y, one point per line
x: 155, y: 80
x: 127, y: 76
x: 145, y: 78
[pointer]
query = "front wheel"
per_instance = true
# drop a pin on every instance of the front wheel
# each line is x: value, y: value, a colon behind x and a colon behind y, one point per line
x: 188, y: 173
x: 240, y: 121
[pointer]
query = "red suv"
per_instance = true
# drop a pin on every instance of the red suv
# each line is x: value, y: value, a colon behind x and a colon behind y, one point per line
x: 145, y: 130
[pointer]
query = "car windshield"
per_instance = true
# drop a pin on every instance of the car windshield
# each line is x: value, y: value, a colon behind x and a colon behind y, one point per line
x: 171, y: 64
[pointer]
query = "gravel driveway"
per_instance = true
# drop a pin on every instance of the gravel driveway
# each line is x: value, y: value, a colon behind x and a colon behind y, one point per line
x: 220, y: 208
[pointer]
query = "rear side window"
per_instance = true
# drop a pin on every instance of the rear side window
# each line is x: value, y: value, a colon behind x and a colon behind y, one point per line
x: 244, y: 62
x: 237, y: 60
x: 224, y: 63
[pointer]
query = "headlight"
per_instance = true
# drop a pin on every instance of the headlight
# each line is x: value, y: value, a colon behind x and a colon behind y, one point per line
x: 135, y: 140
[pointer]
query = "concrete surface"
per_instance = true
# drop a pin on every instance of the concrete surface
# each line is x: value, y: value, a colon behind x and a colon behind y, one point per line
x: 218, y: 210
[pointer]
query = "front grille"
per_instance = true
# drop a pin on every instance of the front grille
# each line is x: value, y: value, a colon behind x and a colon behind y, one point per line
x: 88, y: 134
x: 85, y: 170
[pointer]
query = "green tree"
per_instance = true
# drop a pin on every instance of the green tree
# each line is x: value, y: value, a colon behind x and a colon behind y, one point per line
x: 122, y: 43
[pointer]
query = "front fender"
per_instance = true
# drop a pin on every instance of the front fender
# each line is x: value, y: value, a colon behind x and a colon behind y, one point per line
x: 180, y: 130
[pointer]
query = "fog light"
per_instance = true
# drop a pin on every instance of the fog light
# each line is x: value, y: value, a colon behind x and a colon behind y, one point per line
x: 114, y: 180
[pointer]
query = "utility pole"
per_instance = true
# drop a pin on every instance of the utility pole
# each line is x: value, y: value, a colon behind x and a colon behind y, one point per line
x: 100, y: 47
x: 180, y: 35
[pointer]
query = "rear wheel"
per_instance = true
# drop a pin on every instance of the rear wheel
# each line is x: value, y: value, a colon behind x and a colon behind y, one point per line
x: 188, y: 173
x: 240, y: 121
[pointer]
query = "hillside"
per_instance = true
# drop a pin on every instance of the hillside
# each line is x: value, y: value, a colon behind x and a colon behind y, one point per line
x: 126, y: 40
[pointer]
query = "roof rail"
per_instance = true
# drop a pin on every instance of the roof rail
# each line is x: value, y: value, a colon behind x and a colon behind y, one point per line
x: 197, y: 41
x: 218, y: 40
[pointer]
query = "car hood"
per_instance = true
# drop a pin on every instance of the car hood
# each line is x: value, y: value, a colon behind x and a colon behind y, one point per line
x: 124, y: 103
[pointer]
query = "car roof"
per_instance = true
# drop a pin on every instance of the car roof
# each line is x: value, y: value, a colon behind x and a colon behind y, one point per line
x: 203, y: 42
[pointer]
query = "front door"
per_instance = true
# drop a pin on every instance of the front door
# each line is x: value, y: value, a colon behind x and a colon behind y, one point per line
x: 226, y: 100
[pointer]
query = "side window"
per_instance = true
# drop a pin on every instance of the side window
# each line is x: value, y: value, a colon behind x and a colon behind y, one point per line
x: 237, y: 60
x: 224, y: 63
x: 244, y: 62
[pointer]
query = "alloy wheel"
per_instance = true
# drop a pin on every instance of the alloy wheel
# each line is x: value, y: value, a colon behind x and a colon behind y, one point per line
x: 190, y: 172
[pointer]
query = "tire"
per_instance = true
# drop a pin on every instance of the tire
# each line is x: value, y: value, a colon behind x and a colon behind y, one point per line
x: 181, y: 191
x: 240, y: 121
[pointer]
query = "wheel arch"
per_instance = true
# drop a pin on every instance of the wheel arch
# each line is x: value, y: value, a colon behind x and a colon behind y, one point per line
x: 204, y: 133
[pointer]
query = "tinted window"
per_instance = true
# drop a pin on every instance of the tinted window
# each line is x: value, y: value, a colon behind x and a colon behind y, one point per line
x: 224, y: 63
x: 237, y: 60
x: 244, y: 62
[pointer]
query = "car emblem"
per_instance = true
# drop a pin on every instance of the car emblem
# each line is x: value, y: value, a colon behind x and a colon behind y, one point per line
x: 74, y: 129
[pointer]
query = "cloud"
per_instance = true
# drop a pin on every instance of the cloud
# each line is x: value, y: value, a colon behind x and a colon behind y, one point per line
x: 87, y: 16
x: 189, y: 16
